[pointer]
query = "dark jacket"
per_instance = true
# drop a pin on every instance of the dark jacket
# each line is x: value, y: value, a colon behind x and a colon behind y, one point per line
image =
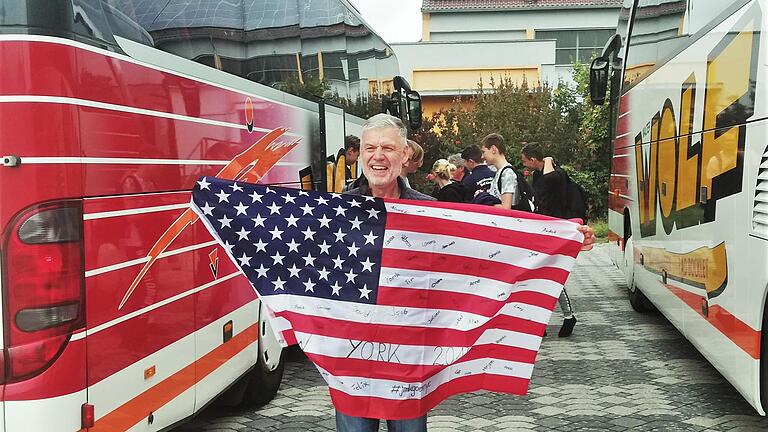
x: 549, y: 190
x: 453, y: 192
x: 405, y: 192
x: 479, y: 179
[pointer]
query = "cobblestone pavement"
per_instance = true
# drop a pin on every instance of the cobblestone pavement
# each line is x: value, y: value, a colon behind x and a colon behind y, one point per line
x: 619, y: 371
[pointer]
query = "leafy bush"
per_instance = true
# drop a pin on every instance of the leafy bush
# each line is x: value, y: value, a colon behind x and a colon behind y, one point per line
x: 572, y: 131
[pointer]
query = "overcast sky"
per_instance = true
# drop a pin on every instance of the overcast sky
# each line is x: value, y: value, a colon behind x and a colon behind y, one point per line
x: 394, y: 20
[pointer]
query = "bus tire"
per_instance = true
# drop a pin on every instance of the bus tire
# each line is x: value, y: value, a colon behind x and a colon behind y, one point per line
x: 263, y: 384
x: 637, y: 299
x: 264, y: 380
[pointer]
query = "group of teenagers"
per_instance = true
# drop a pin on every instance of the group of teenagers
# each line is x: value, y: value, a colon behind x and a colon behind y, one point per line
x: 481, y: 174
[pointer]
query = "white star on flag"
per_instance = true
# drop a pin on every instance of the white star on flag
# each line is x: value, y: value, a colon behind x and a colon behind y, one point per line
x: 323, y: 274
x: 260, y: 246
x: 243, y: 234
x: 241, y: 209
x: 262, y: 271
x: 225, y: 221
x: 324, y: 221
x: 223, y: 196
x: 370, y: 238
x: 258, y: 220
x: 293, y: 246
x: 255, y: 197
x: 274, y: 209
x: 292, y: 220
x: 244, y: 260
x: 367, y: 265
x: 309, y: 286
x: 279, y: 284
x: 307, y: 210
x: 207, y: 209
x: 203, y: 183
x: 336, y: 288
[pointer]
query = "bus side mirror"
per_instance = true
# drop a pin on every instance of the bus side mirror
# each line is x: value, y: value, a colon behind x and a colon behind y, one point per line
x: 598, y: 80
x: 414, y: 109
x: 404, y: 103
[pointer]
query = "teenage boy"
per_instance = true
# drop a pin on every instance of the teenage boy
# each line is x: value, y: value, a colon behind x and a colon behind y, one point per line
x: 480, y: 174
x: 549, y: 186
x: 504, y: 185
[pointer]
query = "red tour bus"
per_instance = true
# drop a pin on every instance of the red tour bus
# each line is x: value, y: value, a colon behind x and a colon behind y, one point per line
x: 119, y: 311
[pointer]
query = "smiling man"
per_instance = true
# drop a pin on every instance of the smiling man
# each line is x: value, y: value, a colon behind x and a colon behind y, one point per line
x: 383, y: 151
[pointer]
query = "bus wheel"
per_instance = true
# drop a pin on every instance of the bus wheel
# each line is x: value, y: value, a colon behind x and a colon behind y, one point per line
x: 636, y: 298
x: 265, y: 378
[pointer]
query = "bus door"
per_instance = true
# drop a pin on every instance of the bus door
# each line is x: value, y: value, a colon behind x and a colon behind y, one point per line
x: 139, y: 283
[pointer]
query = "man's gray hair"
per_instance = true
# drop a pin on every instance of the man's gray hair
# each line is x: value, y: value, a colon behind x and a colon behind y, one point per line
x: 382, y: 121
x: 457, y: 160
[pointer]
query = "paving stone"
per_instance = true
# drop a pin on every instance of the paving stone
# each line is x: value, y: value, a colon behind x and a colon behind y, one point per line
x: 619, y: 371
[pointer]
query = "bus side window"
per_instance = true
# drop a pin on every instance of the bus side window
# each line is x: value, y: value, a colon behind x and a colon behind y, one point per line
x: 658, y: 33
x: 703, y: 12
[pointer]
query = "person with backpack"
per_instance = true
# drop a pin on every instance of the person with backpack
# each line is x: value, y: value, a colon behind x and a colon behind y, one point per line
x: 554, y: 195
x: 508, y: 185
x: 480, y: 174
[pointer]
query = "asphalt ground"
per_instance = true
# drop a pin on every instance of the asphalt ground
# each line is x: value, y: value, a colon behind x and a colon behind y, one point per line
x: 619, y: 371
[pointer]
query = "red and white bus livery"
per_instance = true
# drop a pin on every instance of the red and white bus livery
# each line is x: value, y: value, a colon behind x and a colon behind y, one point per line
x: 120, y: 312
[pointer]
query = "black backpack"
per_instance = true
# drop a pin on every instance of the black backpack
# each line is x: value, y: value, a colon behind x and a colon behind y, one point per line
x: 523, y: 188
x: 575, y: 200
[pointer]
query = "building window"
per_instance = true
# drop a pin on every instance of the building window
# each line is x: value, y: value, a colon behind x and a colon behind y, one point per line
x: 573, y: 45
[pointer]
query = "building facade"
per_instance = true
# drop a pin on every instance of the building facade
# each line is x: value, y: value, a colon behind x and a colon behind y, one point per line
x: 466, y: 41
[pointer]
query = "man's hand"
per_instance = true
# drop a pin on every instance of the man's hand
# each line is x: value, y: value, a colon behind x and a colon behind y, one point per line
x: 589, y: 237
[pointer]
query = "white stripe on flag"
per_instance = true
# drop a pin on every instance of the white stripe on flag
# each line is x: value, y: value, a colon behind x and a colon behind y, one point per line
x: 399, y: 315
x: 408, y: 354
x: 399, y: 390
x: 461, y: 284
x: 555, y: 228
x: 469, y: 248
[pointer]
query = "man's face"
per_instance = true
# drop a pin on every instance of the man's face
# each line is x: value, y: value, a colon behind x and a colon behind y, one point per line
x: 488, y: 154
x: 528, y: 162
x: 458, y: 174
x: 351, y: 156
x: 383, y: 154
x: 531, y: 163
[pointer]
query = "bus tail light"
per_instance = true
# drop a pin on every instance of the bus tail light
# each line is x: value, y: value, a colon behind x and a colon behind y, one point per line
x: 43, y: 275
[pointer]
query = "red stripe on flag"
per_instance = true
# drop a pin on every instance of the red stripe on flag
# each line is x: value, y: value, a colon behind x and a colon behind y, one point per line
x: 406, y: 335
x: 451, y: 300
x: 534, y: 242
x: 443, y: 263
x: 392, y: 409
x: 381, y: 366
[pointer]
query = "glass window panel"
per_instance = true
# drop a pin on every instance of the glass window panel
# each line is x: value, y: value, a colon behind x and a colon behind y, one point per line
x: 657, y: 34
x: 565, y: 56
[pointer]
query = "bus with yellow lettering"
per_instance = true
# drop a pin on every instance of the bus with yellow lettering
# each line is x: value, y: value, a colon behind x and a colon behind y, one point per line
x: 685, y: 82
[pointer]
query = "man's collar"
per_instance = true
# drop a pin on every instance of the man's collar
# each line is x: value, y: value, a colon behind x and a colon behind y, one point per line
x: 365, y: 189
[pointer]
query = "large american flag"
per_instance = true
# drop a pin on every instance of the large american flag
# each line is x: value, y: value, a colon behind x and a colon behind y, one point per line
x: 400, y: 304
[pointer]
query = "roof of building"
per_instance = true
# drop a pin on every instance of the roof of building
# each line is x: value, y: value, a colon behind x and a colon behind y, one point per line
x: 469, y: 5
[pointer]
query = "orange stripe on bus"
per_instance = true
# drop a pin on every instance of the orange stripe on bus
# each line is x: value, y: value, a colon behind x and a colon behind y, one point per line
x: 138, y: 408
x: 741, y: 334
